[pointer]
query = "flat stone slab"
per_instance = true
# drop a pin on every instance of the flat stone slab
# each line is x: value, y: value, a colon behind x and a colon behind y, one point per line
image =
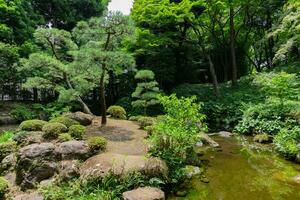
x: 145, y: 193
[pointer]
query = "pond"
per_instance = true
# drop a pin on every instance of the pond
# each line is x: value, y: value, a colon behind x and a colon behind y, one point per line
x: 241, y: 171
x: 7, y: 128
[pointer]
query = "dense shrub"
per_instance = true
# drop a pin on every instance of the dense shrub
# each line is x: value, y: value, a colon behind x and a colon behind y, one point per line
x: 7, y: 148
x: 117, y: 112
x: 32, y: 125
x: 287, y: 141
x: 53, y: 130
x: 145, y: 121
x: 77, y: 131
x: 3, y: 187
x: 97, y: 143
x: 22, y: 112
x: 177, y: 132
x: 65, y: 121
x: 64, y: 137
x: 54, y: 109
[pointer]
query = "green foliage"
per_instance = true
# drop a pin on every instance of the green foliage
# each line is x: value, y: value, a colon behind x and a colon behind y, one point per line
x: 3, y: 187
x: 53, y: 130
x: 97, y: 143
x: 177, y: 132
x: 22, y: 113
x: 64, y: 137
x: 65, y: 121
x: 145, y: 121
x: 6, y: 136
x: 32, y: 125
x: 117, y: 112
x: 7, y: 148
x: 54, y: 109
x: 146, y: 91
x: 77, y: 131
x: 287, y: 141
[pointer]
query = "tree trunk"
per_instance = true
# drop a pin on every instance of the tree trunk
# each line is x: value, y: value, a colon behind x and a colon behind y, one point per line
x: 232, y: 47
x: 35, y: 95
x: 85, y: 108
x: 102, y: 98
x: 213, y: 76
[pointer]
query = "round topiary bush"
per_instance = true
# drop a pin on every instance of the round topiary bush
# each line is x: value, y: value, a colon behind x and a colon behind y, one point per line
x: 117, y: 112
x: 53, y: 130
x: 65, y: 137
x: 97, y: 143
x: 7, y: 148
x: 146, y: 121
x: 65, y: 121
x: 3, y: 187
x: 77, y: 131
x: 32, y: 125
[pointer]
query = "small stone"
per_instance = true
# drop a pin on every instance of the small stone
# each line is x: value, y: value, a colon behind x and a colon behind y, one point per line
x: 204, y: 180
x: 225, y: 134
x: 261, y: 138
x: 181, y: 193
x: 297, y: 158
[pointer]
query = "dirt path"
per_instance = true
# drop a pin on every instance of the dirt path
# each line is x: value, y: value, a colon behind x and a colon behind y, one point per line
x: 124, y: 137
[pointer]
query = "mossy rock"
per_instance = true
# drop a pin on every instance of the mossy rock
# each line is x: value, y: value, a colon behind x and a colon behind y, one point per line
x: 68, y: 122
x: 53, y: 130
x: 146, y: 121
x: 3, y: 187
x: 65, y: 137
x: 7, y: 148
x: 135, y: 118
x: 97, y: 143
x: 117, y: 112
x: 261, y: 138
x: 77, y: 131
x: 32, y: 125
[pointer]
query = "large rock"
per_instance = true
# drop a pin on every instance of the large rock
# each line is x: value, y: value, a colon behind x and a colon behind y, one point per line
x: 82, y: 118
x: 207, y: 140
x: 24, y: 138
x: 145, y: 193
x: 117, y: 164
x: 297, y: 158
x: 8, y: 163
x: 35, y: 163
x: 73, y: 150
x: 68, y: 169
x: 224, y: 134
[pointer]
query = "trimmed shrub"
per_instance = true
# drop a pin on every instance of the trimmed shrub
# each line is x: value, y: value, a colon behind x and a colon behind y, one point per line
x: 53, y: 130
x: 64, y: 137
x: 77, y: 131
x: 146, y: 121
x: 97, y: 143
x: 7, y: 148
x: 3, y: 187
x: 32, y: 125
x: 68, y: 122
x: 117, y: 112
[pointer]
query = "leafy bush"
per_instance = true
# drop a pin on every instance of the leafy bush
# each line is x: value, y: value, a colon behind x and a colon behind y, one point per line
x: 117, y: 112
x: 177, y: 132
x: 65, y: 121
x: 287, y: 141
x: 53, y: 130
x: 64, y: 137
x: 6, y: 136
x: 7, y: 148
x: 97, y: 143
x: 21, y: 113
x: 32, y: 125
x: 77, y: 131
x: 135, y: 118
x: 3, y: 187
x: 53, y: 110
x: 145, y: 121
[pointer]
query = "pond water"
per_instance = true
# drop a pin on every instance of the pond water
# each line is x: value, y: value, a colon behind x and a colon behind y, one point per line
x: 7, y: 128
x: 242, y: 172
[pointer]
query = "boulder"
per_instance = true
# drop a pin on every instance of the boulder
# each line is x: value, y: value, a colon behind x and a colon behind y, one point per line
x: 8, y: 163
x: 30, y: 196
x: 297, y: 158
x: 296, y: 180
x: 35, y: 163
x: 73, y: 150
x: 68, y: 169
x: 145, y: 193
x: 261, y: 138
x: 117, y: 164
x: 191, y: 171
x: 207, y: 140
x: 82, y: 118
x: 26, y: 138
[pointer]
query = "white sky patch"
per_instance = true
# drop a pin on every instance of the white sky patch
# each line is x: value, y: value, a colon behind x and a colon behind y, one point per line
x: 121, y: 5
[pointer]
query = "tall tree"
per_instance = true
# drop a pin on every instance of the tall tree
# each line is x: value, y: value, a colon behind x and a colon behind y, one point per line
x: 101, y: 42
